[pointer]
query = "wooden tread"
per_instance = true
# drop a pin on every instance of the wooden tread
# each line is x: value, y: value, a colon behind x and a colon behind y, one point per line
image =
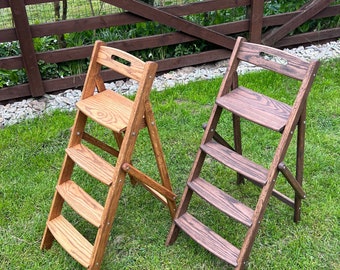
x: 256, y: 107
x: 208, y: 238
x: 222, y: 201
x: 71, y: 240
x: 81, y: 202
x: 91, y: 163
x: 108, y: 108
x: 254, y: 172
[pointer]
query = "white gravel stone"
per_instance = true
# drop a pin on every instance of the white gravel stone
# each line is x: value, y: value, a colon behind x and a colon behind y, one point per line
x: 28, y: 108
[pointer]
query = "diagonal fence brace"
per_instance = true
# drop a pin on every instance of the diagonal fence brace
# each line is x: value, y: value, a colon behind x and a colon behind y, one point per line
x: 163, y: 17
x: 306, y: 13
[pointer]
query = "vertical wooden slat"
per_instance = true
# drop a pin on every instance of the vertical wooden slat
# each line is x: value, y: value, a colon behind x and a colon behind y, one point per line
x: 255, y: 15
x: 23, y: 32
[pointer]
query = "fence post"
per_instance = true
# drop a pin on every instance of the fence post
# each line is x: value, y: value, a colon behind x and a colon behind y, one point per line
x: 255, y: 16
x: 29, y: 58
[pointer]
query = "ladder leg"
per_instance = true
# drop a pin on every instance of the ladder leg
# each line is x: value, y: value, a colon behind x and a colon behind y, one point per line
x: 186, y: 197
x: 257, y: 219
x: 109, y: 214
x: 65, y: 174
x: 300, y: 161
x: 195, y: 171
x: 159, y: 155
x: 57, y: 202
x: 238, y: 143
x: 182, y: 208
x: 48, y: 238
x: 237, y: 131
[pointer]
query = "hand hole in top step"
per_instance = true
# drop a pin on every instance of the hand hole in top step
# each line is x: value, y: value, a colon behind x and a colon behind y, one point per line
x: 121, y: 60
x: 274, y: 58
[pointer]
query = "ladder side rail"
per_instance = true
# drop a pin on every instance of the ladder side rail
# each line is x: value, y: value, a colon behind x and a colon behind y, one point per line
x: 88, y: 90
x: 300, y: 152
x: 227, y: 81
x: 227, y: 84
x: 94, y: 69
x: 209, y: 132
x: 75, y: 138
x: 100, y: 83
x: 280, y: 153
x: 237, y: 132
x: 159, y: 155
x: 126, y: 151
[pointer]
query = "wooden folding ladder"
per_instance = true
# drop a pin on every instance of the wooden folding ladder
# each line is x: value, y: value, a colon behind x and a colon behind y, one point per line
x: 262, y: 110
x: 125, y: 118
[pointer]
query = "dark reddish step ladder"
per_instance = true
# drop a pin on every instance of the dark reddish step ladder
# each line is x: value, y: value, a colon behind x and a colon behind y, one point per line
x: 264, y: 111
x: 124, y: 118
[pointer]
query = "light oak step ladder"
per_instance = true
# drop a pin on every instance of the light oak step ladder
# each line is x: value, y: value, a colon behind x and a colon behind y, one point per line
x: 252, y: 106
x: 125, y: 118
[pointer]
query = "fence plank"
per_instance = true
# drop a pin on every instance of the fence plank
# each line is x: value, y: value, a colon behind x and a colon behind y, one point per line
x: 255, y: 14
x: 307, y: 38
x: 26, y: 45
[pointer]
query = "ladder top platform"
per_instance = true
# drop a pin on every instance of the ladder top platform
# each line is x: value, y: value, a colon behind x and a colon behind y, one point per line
x: 109, y: 109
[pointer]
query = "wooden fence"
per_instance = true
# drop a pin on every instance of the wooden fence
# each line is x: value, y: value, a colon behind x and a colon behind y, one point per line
x: 254, y: 27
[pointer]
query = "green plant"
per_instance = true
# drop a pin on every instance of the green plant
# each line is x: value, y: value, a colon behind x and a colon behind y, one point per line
x: 9, y: 49
x: 12, y: 77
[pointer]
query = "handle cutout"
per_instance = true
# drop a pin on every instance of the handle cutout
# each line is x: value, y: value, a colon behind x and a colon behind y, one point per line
x: 274, y: 58
x: 121, y: 60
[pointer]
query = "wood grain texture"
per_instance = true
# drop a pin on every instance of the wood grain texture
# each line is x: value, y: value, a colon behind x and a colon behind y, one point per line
x: 91, y: 163
x: 81, y: 202
x: 236, y: 162
x: 256, y: 107
x: 288, y: 65
x: 208, y: 238
x: 222, y: 201
x: 109, y: 109
x: 71, y: 240
x: 108, y: 56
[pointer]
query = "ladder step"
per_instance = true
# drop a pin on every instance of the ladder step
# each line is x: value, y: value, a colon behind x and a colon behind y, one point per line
x: 108, y: 108
x: 208, y: 238
x: 91, y: 163
x: 252, y: 171
x: 256, y: 107
x: 71, y: 240
x: 222, y: 201
x: 81, y: 202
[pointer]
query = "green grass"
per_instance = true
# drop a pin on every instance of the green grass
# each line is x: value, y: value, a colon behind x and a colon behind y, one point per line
x: 31, y: 155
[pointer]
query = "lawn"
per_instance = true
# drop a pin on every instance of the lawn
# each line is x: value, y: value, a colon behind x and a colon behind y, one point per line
x: 31, y: 154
